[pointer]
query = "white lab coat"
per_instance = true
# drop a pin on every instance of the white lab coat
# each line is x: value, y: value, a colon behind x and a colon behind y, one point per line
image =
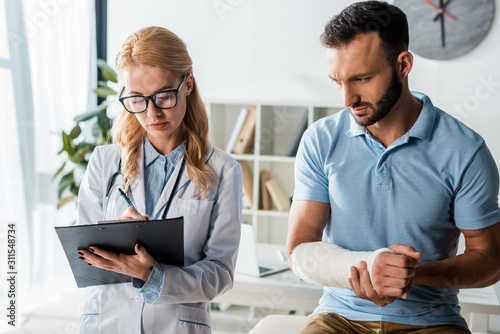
x: 211, y: 238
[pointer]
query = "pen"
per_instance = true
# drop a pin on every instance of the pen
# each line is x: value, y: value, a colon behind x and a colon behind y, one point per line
x: 125, y: 197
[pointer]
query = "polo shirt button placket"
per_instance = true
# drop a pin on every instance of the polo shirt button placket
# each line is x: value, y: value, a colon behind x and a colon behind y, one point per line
x: 383, y: 174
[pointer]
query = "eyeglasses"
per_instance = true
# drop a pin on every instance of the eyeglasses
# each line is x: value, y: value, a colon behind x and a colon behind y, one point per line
x: 166, y: 99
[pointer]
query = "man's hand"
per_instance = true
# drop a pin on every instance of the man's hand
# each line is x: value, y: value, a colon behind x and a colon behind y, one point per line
x: 363, y: 288
x: 139, y: 265
x: 393, y: 276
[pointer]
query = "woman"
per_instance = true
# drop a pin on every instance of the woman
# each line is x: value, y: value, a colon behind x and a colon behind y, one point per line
x: 161, y: 145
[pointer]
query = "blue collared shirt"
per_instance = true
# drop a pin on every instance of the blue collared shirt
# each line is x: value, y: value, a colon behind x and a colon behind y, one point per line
x: 157, y: 170
x: 437, y: 178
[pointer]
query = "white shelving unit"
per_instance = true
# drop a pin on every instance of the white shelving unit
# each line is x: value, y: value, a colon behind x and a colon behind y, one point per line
x: 276, y: 125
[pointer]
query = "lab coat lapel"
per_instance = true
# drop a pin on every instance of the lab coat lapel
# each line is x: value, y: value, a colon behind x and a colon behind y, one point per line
x: 138, y: 190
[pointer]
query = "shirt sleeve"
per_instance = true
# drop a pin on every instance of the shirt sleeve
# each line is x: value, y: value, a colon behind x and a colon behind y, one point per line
x: 311, y: 183
x: 476, y: 199
x: 152, y: 288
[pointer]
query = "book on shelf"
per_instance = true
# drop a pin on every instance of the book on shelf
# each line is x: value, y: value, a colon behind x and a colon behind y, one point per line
x: 265, y: 196
x: 245, y: 141
x: 297, y: 136
x: 277, y: 196
x: 247, y: 179
x: 236, y: 130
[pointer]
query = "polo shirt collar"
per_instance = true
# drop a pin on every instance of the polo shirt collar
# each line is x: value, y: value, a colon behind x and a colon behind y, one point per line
x: 151, y: 154
x: 424, y: 125
x: 421, y: 129
x: 355, y: 129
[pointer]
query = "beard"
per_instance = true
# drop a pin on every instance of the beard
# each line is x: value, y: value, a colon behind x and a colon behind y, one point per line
x: 383, y: 106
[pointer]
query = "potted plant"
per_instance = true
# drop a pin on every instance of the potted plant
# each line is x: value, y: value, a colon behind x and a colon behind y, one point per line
x: 77, y: 146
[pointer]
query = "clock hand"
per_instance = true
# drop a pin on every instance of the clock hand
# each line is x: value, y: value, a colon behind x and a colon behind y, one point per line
x: 443, y: 7
x: 439, y: 9
x: 443, y: 39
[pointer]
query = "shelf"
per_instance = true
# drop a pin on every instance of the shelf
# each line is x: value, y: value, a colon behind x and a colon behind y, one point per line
x: 278, y: 129
x: 276, y: 158
x: 243, y: 157
x: 272, y: 213
x: 266, y: 213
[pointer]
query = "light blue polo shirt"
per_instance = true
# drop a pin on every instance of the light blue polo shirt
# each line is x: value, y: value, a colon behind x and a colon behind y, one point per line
x: 435, y: 179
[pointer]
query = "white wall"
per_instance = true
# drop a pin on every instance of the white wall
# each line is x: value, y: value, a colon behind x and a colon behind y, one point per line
x: 270, y: 50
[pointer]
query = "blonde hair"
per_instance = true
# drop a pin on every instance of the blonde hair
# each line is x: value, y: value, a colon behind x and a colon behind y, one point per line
x: 159, y: 47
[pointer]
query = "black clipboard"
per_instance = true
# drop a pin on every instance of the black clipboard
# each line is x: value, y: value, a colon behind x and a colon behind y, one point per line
x: 163, y: 240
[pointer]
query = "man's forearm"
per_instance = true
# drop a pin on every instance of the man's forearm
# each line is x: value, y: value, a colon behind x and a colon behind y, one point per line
x: 327, y: 264
x: 473, y: 269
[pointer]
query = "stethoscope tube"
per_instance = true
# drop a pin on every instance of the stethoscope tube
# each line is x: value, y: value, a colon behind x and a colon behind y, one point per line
x: 112, y: 179
x: 172, y: 193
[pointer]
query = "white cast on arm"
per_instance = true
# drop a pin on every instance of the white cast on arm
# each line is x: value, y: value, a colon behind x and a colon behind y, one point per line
x: 327, y: 264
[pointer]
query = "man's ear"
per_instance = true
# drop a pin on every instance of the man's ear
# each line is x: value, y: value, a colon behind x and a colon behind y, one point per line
x: 404, y: 64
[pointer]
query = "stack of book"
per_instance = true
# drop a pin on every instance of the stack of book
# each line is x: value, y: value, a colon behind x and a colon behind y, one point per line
x: 243, y: 135
x: 276, y: 194
x: 247, y: 186
x: 271, y: 195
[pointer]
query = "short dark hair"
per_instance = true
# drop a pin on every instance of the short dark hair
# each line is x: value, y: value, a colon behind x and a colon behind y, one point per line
x: 365, y: 17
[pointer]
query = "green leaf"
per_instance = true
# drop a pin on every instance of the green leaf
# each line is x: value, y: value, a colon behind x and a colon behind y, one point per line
x: 68, y: 144
x: 83, y: 165
x: 80, y: 155
x: 92, y: 113
x: 109, y: 75
x: 59, y: 171
x: 65, y: 200
x: 104, y: 92
x: 104, y: 124
x: 66, y: 181
x: 74, y: 189
x: 107, y: 72
x: 75, y: 132
x: 90, y: 146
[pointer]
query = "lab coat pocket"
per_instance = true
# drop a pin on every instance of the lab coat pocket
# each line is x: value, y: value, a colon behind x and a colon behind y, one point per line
x: 196, y: 212
x: 89, y: 319
x: 198, y: 205
x: 193, y: 320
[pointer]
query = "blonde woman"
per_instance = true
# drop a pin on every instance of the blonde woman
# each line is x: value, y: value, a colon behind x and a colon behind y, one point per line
x: 163, y: 161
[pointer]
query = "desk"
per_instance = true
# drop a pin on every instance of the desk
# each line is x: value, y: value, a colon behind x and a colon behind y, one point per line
x: 286, y: 291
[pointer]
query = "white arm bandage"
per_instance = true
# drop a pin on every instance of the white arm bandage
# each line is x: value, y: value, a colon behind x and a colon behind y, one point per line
x: 327, y: 264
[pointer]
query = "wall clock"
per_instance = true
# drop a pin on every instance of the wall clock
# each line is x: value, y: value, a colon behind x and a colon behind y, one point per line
x: 445, y: 29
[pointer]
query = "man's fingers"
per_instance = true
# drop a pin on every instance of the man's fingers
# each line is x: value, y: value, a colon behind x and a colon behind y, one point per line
x: 406, y: 250
x: 396, y: 260
x: 390, y: 282
x: 408, y: 288
x: 395, y: 272
x: 354, y: 281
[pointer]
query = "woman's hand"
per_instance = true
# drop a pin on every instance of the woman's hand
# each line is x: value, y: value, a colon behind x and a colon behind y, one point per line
x: 139, y: 265
x: 132, y: 213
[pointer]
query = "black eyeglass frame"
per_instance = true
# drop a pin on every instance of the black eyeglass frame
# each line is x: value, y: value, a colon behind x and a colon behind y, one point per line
x: 152, y: 97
